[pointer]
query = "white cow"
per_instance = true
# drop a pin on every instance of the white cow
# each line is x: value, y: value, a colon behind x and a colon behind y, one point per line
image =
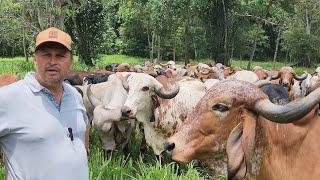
x: 309, y: 82
x: 148, y: 97
x: 106, y: 100
x: 245, y: 75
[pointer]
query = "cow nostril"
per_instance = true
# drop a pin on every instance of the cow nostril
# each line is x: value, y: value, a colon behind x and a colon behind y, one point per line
x: 170, y: 147
x: 125, y: 112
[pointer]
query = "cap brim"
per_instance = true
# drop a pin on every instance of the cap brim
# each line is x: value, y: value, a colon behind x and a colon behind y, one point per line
x: 52, y: 41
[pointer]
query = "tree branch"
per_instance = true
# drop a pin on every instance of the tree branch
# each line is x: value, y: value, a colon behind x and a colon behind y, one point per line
x: 265, y: 21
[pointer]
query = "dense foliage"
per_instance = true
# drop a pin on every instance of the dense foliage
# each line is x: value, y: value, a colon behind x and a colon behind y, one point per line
x: 170, y: 29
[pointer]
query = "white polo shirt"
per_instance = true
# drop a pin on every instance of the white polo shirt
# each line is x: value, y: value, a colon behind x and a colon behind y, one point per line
x: 34, y: 132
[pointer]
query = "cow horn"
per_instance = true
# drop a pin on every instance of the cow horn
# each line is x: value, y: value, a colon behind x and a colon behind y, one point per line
x: 276, y: 77
x: 125, y: 82
x: 92, y: 99
x: 220, y: 75
x: 261, y: 83
x: 301, y: 78
x: 269, y: 78
x: 167, y: 95
x: 205, y: 73
x: 288, y: 113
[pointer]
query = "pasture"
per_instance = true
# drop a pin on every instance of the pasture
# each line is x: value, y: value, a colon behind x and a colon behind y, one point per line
x: 136, y: 165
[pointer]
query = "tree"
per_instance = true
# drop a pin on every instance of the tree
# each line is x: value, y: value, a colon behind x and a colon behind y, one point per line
x: 90, y: 25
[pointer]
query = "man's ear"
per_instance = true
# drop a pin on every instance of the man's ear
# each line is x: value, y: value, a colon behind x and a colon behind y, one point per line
x: 240, y: 146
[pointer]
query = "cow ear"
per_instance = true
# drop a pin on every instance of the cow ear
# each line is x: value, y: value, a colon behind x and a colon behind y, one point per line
x: 240, y: 146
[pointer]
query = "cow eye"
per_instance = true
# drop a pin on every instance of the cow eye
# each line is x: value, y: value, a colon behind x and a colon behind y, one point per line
x: 145, y: 88
x: 220, y: 107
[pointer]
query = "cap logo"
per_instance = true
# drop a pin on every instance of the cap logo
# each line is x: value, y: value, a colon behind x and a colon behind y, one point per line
x: 53, y: 34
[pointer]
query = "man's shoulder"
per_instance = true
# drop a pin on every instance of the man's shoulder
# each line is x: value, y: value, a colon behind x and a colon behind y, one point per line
x: 74, y: 92
x: 13, y: 89
x: 11, y: 93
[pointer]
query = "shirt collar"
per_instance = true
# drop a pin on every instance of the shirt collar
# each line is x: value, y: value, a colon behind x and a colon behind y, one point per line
x: 35, y: 86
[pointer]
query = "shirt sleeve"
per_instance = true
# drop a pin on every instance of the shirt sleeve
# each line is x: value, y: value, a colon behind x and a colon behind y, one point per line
x: 4, y: 116
x: 85, y: 117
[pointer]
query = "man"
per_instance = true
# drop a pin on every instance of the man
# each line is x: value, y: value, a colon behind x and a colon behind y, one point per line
x: 42, y: 119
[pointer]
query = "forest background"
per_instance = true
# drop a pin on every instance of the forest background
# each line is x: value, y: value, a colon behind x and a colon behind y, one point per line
x: 179, y: 30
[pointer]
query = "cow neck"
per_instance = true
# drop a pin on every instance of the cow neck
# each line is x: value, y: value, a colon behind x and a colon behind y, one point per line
x: 282, y: 150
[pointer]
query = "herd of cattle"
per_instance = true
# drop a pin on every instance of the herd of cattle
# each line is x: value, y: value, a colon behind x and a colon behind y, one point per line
x: 249, y: 124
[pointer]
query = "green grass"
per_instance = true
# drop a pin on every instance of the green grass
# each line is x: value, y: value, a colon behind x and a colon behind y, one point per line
x: 135, y: 166
x: 117, y: 59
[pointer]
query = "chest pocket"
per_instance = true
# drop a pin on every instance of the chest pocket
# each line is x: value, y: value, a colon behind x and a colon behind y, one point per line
x: 75, y: 118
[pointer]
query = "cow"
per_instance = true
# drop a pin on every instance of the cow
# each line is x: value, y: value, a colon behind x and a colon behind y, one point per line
x: 124, y: 67
x: 286, y: 77
x: 166, y: 100
x: 170, y: 65
x: 103, y: 102
x: 211, y: 82
x: 111, y: 67
x: 95, y: 79
x: 262, y: 140
x: 76, y: 77
x: 245, y: 75
x: 277, y: 94
x: 191, y: 71
x: 204, y: 72
x: 227, y: 71
x: 6, y: 79
x: 158, y: 68
x: 261, y: 73
x: 309, y: 83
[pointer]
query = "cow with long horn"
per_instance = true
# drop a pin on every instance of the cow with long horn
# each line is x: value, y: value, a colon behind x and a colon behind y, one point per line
x: 161, y: 105
x: 261, y: 140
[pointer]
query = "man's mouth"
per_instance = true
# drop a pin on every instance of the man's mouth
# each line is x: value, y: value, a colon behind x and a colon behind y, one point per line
x: 52, y: 70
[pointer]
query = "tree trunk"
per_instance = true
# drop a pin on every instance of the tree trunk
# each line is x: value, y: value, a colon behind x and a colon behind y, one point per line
x: 286, y: 61
x: 253, y: 51
x: 186, y: 42
x: 194, y: 45
x: 308, y: 19
x: 174, y: 49
x: 24, y: 44
x: 225, y: 28
x: 152, y: 47
x: 159, y: 49
x: 232, y: 51
x: 277, y: 47
x: 149, y: 44
x: 58, y: 14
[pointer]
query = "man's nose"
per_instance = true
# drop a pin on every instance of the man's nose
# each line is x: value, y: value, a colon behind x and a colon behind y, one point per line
x: 53, y: 60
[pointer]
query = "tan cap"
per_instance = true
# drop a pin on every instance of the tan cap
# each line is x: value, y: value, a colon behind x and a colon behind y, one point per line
x: 54, y: 35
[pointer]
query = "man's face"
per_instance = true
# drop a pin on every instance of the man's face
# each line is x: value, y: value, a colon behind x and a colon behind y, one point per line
x: 52, y: 62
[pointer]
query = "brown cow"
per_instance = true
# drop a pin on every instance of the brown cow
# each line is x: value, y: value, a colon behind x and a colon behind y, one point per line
x: 6, y: 79
x: 286, y: 76
x: 236, y: 117
x: 261, y: 73
x: 124, y: 67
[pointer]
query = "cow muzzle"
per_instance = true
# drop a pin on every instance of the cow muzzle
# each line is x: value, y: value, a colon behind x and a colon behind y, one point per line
x: 127, y: 112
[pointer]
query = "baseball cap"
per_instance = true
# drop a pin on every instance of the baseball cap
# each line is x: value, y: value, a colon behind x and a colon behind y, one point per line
x: 54, y: 35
